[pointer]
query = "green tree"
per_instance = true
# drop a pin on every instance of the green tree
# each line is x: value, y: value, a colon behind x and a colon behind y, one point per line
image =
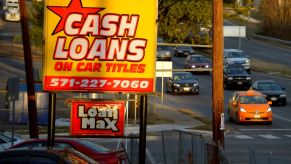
x: 36, y: 16
x: 178, y: 20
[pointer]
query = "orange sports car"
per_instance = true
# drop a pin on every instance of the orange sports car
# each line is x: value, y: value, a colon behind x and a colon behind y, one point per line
x: 249, y: 106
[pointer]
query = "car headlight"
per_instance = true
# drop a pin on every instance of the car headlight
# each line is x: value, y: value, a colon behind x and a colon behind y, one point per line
x: 193, y: 66
x: 177, y: 85
x: 283, y: 95
x: 249, y: 78
x: 180, y: 51
x: 195, y: 84
x: 230, y: 78
x: 242, y: 109
x: 207, y: 66
x: 247, y: 61
x: 269, y: 109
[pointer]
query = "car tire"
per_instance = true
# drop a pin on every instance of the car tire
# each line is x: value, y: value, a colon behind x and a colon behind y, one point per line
x: 225, y: 86
x: 284, y: 103
x: 229, y: 118
x: 236, y: 119
x: 172, y: 91
x: 196, y: 93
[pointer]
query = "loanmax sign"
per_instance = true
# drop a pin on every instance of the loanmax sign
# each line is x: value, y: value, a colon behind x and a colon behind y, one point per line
x: 97, y: 118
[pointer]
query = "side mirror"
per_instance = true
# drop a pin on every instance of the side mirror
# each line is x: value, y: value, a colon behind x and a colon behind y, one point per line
x: 270, y: 102
x: 283, y: 88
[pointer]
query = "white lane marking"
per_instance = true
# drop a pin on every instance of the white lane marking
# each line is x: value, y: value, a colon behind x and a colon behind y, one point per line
x: 265, y: 129
x: 243, y: 137
x: 281, y: 118
x: 288, y: 136
x: 269, y: 136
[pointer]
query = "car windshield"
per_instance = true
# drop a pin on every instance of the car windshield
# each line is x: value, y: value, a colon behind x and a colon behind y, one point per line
x: 269, y: 86
x: 236, y: 71
x: 253, y: 100
x: 183, y: 77
x: 164, y: 48
x: 198, y: 60
x: 236, y: 55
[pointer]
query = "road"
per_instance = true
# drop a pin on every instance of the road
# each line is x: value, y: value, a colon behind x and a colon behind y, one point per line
x: 274, y: 139
x: 261, y: 51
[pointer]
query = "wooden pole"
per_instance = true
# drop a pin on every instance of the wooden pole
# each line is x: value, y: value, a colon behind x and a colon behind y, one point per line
x: 32, y: 111
x: 217, y: 76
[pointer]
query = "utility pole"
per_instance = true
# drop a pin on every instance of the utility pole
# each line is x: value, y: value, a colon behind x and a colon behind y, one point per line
x: 217, y: 75
x: 32, y: 111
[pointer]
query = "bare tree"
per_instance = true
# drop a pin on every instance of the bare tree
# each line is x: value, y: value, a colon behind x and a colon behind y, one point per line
x: 277, y: 18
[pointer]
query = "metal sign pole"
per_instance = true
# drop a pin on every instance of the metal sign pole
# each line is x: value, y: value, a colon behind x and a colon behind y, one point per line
x: 51, y: 120
x: 239, y: 41
x: 142, y: 129
x: 13, y: 122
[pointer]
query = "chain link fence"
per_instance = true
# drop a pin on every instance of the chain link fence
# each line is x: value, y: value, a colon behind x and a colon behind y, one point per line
x: 176, y: 147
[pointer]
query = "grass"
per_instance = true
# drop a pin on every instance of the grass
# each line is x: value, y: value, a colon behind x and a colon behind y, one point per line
x: 271, y: 68
x: 207, y: 124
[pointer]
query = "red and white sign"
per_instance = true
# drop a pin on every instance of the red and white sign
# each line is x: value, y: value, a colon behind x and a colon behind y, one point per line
x: 97, y: 118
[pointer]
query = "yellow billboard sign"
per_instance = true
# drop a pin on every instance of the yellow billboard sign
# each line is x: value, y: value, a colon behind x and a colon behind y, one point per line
x: 98, y: 45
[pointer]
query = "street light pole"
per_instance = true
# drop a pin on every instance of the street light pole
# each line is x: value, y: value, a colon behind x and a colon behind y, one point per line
x: 217, y: 75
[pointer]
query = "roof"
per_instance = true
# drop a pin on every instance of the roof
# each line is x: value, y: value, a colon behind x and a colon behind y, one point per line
x: 271, y: 81
x: 233, y: 50
x: 196, y: 55
x: 249, y: 93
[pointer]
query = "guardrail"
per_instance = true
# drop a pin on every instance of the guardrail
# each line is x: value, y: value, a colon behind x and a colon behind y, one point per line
x: 184, y: 44
x: 272, y: 40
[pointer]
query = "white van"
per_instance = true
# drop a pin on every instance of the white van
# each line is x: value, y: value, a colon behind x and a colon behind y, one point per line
x: 12, y: 12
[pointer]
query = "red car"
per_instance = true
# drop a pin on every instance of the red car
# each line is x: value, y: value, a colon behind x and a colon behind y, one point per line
x: 96, y: 152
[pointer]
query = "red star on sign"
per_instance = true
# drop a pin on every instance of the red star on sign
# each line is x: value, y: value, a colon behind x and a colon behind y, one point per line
x: 75, y: 6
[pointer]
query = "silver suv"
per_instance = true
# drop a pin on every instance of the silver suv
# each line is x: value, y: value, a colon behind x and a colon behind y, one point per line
x: 236, y: 56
